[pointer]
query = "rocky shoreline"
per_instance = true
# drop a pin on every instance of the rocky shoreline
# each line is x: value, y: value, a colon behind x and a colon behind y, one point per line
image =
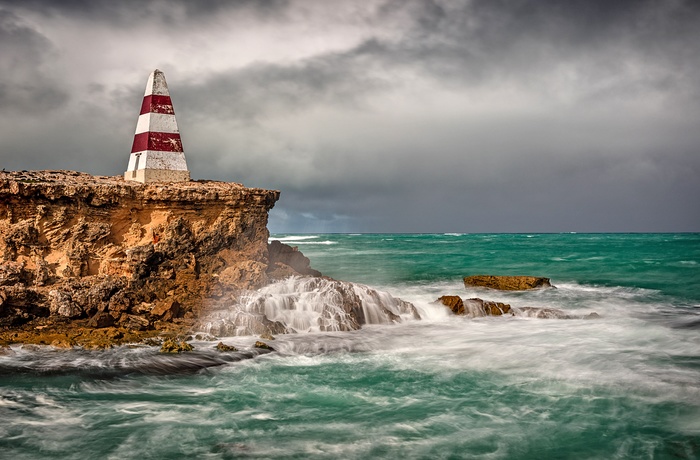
x: 93, y: 261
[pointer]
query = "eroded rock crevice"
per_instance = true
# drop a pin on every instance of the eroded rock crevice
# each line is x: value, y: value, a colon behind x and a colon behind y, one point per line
x: 101, y: 252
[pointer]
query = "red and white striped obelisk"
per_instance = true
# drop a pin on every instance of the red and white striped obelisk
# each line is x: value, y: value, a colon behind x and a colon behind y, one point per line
x: 157, y: 153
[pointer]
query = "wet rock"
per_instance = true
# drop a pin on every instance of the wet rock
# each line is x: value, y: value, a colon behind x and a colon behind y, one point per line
x: 6, y: 351
x: 222, y: 347
x: 592, y: 315
x: 282, y: 255
x: 507, y: 283
x: 474, y: 307
x: 488, y: 307
x: 62, y: 343
x: 205, y: 337
x: 331, y: 305
x: 267, y: 336
x: 454, y: 303
x: 152, y: 341
x: 263, y: 346
x: 543, y: 313
x: 174, y: 346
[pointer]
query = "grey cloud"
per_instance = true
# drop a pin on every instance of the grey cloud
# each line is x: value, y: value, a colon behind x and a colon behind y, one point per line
x: 603, y: 139
x: 264, y: 88
x: 25, y: 84
x: 473, y: 42
x: 159, y: 12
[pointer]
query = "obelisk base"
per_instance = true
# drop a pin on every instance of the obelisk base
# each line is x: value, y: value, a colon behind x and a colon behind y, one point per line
x: 157, y: 175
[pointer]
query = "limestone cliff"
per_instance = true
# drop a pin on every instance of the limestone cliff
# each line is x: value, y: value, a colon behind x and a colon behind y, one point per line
x: 76, y: 247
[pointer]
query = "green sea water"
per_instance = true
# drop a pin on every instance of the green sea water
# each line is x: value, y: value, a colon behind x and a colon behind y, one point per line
x: 625, y: 385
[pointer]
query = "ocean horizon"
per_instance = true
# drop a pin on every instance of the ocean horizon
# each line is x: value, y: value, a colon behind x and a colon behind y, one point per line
x: 625, y: 384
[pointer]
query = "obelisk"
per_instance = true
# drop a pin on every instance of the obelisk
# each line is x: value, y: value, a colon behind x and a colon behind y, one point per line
x: 157, y: 153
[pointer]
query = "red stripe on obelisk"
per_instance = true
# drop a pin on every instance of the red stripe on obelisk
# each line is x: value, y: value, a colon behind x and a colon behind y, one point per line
x: 156, y: 103
x: 159, y: 142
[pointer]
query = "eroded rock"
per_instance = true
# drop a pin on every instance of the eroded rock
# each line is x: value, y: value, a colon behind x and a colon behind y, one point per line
x: 74, y: 245
x: 175, y: 346
x: 507, y: 283
x: 263, y: 345
x: 222, y: 347
x: 474, y: 307
x: 454, y: 303
x: 286, y: 260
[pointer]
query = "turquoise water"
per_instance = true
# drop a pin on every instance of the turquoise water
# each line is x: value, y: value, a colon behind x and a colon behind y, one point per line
x: 626, y: 385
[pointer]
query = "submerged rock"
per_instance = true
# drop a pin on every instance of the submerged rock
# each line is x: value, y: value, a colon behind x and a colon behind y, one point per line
x: 263, y: 346
x: 174, y: 346
x: 476, y: 307
x: 547, y: 313
x: 507, y: 283
x: 6, y: 351
x: 222, y: 347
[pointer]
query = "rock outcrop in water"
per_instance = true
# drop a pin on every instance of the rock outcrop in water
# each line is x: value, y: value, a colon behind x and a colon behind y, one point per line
x: 287, y: 261
x: 507, y: 283
x: 476, y: 307
x: 84, y: 255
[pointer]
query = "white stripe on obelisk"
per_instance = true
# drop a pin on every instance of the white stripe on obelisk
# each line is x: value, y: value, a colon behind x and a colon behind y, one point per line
x: 156, y: 123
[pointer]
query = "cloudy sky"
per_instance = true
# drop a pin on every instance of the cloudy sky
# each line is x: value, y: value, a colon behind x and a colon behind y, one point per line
x: 379, y: 115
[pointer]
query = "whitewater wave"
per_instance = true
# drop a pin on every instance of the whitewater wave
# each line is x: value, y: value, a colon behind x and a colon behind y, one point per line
x: 294, y: 237
x: 300, y: 239
x: 304, y: 305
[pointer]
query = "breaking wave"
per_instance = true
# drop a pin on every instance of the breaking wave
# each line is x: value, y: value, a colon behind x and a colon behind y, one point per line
x: 304, y: 305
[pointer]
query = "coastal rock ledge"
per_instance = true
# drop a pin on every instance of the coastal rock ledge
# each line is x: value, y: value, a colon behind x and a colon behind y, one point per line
x: 131, y: 259
x: 507, y: 283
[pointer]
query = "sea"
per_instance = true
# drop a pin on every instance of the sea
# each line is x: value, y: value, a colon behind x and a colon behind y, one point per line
x: 621, y: 384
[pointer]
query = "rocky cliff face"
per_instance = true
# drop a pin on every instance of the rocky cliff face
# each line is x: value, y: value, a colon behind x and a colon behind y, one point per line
x: 125, y: 256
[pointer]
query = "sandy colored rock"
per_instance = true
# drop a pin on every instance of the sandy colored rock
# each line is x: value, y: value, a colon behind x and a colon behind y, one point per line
x: 454, y: 303
x: 73, y: 245
x: 474, y: 307
x: 175, y: 346
x: 222, y: 347
x: 507, y: 283
x: 486, y: 307
x: 263, y: 345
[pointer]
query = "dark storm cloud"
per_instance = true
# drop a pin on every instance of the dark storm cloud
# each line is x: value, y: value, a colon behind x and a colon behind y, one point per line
x: 125, y: 12
x: 382, y: 115
x: 264, y: 88
x: 474, y: 41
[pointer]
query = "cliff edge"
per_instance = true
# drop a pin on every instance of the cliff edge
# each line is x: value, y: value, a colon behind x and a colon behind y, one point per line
x: 90, y: 256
